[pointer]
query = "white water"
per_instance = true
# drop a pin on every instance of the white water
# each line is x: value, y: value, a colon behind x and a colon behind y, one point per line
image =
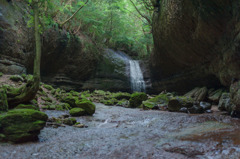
x: 137, y: 81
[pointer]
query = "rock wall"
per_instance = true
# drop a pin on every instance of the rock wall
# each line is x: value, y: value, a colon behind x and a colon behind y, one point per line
x: 196, y: 43
x: 69, y: 62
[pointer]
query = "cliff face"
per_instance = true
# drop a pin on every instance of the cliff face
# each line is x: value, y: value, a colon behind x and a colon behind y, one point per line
x: 196, y: 43
x: 68, y: 61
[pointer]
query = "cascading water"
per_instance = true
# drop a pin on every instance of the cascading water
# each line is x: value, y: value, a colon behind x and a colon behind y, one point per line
x: 137, y: 81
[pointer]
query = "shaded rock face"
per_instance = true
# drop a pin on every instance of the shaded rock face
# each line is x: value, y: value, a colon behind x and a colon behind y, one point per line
x: 196, y: 44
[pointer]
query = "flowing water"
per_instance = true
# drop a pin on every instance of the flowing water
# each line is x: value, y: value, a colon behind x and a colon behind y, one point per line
x: 136, y: 77
x: 122, y: 133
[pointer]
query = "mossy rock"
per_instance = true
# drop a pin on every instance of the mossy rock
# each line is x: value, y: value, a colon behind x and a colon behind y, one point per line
x: 71, y: 100
x: 70, y: 121
x: 1, y: 74
x: 47, y: 99
x: 77, y: 112
x: 160, y: 100
x: 123, y: 103
x: 176, y: 103
x: 88, y: 106
x: 3, y: 100
x: 109, y: 102
x: 27, y: 106
x: 48, y: 87
x: 16, y: 78
x: 74, y: 93
x: 121, y: 95
x: 136, y: 99
x: 21, y: 125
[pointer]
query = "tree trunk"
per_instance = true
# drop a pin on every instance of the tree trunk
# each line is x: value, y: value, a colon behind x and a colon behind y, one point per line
x: 28, y: 91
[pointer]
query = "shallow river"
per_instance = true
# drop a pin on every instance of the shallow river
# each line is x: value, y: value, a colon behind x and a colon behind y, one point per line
x: 120, y: 133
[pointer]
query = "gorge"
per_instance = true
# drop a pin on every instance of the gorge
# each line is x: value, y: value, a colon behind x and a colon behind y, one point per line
x: 121, y: 79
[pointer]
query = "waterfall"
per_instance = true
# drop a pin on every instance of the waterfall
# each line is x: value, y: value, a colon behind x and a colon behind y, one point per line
x: 137, y: 81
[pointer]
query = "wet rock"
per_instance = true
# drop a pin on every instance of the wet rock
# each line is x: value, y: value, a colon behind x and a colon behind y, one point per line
x: 209, y: 111
x: 137, y: 99
x: 71, y: 100
x: 3, y: 100
x: 176, y: 103
x: 123, y: 103
x: 196, y: 110
x: 205, y: 105
x: 80, y: 126
x: 16, y: 78
x: 25, y: 106
x: 184, y: 110
x: 215, y: 95
x: 21, y: 125
x: 198, y: 94
x: 235, y: 97
x: 225, y: 103
x: 87, y: 106
x: 69, y: 121
x: 77, y: 112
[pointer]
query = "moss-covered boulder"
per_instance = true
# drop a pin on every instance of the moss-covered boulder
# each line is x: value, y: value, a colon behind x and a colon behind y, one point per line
x: 3, y: 100
x: 21, y: 125
x: 176, y: 103
x: 27, y: 106
x: 155, y: 102
x: 16, y: 78
x: 109, y: 102
x: 137, y: 99
x: 71, y: 100
x: 121, y: 95
x: 77, y: 112
x: 86, y: 105
x: 48, y: 87
x: 69, y: 121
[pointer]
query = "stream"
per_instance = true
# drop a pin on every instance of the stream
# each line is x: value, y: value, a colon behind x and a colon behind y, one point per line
x: 121, y: 133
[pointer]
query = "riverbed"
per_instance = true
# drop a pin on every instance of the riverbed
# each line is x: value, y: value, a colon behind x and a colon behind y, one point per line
x: 123, y: 133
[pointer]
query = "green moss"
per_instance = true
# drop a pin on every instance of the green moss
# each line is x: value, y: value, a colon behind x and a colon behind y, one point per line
x: 112, y: 101
x: 137, y: 99
x: 23, y: 106
x: 88, y: 106
x: 160, y: 100
x: 1, y: 74
x: 48, y: 87
x: 19, y: 125
x: 16, y: 78
x: 123, y: 103
x: 47, y: 99
x: 176, y: 103
x: 77, y: 112
x: 3, y: 100
x: 34, y: 101
x: 121, y: 95
x: 70, y: 121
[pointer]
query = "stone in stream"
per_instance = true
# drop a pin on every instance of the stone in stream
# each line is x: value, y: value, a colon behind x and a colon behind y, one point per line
x: 176, y: 103
x: 87, y: 106
x: 21, y: 125
x: 205, y: 105
x: 196, y: 109
x: 137, y: 99
x: 77, y: 112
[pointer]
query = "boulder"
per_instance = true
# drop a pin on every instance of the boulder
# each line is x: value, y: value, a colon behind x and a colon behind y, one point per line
x: 21, y: 125
x: 77, y: 112
x: 69, y: 121
x: 215, y: 95
x: 155, y: 102
x: 87, y: 106
x: 176, y: 103
x: 198, y: 94
x: 196, y: 109
x: 235, y: 99
x: 137, y: 99
x: 225, y: 103
x: 205, y: 105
